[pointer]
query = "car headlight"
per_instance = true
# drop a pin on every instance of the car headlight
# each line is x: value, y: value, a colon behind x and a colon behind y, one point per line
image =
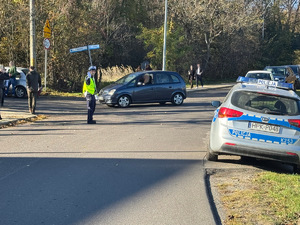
x: 112, y: 91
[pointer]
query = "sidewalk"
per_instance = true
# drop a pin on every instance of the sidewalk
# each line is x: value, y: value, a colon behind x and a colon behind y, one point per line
x: 11, y: 116
x: 211, y: 86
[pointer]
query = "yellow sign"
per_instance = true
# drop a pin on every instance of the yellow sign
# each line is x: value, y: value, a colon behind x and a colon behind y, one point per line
x: 47, y: 30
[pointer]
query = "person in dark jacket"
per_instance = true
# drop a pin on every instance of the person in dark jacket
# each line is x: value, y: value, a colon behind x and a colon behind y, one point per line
x: 3, y: 76
x: 199, y: 72
x: 34, y: 84
x: 191, y: 75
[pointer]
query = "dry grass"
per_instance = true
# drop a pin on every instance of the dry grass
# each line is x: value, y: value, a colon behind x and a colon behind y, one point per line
x: 259, y: 198
x: 114, y: 73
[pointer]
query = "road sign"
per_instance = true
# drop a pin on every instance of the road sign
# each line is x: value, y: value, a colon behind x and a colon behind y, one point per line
x: 47, y: 30
x: 84, y: 48
x: 46, y: 43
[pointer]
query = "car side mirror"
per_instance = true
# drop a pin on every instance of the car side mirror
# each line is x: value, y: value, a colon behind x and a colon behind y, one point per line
x: 216, y: 103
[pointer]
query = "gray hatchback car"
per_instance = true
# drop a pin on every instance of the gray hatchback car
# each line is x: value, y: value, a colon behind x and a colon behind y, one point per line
x: 145, y: 87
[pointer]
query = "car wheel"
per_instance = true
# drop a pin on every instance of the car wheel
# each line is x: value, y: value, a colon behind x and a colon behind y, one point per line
x: 247, y: 159
x: 296, y: 169
x: 211, y: 156
x: 177, y: 99
x: 124, y: 101
x: 20, y: 92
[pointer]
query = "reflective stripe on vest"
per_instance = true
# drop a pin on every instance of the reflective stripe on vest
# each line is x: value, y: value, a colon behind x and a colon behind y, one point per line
x: 89, y: 88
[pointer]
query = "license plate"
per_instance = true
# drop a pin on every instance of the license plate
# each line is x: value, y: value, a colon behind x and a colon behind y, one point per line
x: 264, y: 127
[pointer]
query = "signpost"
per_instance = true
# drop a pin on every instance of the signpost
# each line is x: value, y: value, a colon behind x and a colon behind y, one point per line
x: 46, y: 43
x: 85, y: 48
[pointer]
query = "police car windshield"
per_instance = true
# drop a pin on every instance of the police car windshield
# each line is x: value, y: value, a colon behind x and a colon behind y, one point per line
x: 264, y: 103
x: 126, y: 79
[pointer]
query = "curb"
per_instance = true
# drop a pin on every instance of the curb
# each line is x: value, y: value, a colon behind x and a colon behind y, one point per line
x: 10, y: 117
x: 211, y: 87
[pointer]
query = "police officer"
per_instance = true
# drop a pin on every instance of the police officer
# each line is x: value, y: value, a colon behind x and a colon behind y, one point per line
x: 89, y: 91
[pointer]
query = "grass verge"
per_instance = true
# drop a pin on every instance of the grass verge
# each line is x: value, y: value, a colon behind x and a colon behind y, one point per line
x: 263, y: 198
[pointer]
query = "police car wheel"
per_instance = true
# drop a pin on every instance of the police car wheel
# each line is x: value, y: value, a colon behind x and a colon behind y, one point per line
x: 124, y: 101
x: 296, y: 169
x: 210, y: 156
x: 247, y: 159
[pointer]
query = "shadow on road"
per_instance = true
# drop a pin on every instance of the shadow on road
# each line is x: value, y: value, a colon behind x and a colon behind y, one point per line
x: 71, y: 190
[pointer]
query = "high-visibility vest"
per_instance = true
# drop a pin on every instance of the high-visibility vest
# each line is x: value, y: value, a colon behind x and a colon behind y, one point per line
x: 89, y: 88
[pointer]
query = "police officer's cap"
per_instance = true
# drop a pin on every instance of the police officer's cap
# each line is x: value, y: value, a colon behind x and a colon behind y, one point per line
x: 92, y: 68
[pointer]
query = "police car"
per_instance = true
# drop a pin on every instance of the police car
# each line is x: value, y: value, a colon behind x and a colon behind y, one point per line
x: 260, y: 119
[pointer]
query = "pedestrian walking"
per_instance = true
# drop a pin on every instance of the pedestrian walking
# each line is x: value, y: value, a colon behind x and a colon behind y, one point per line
x: 199, y: 75
x: 3, y: 76
x: 89, y: 90
x: 191, y: 75
x: 12, y: 78
x: 34, y: 85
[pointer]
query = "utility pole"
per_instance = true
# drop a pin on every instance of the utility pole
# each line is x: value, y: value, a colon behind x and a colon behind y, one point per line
x: 165, y: 36
x: 32, y: 34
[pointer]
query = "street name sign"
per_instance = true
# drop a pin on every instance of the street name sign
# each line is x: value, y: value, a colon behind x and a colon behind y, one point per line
x: 84, y: 48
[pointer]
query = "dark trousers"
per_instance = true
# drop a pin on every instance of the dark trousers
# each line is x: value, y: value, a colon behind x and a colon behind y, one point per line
x: 91, y: 106
x: 1, y: 96
x: 32, y: 96
x: 199, y: 78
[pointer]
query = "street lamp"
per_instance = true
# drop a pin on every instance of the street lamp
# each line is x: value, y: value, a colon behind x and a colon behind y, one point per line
x: 263, y: 26
x: 32, y: 34
x: 165, y: 36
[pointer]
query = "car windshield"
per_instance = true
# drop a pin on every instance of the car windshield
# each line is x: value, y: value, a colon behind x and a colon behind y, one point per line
x: 277, y: 71
x: 126, y: 79
x: 295, y: 69
x: 266, y: 103
x: 264, y: 76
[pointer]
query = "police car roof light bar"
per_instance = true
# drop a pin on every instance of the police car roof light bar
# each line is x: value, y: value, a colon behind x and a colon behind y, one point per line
x: 268, y: 83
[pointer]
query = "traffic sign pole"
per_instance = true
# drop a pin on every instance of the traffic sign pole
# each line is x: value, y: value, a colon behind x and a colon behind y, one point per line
x: 46, y: 51
x: 46, y: 44
x: 90, y: 57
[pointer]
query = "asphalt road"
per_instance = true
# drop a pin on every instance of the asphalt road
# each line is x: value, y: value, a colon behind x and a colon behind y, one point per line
x: 139, y: 165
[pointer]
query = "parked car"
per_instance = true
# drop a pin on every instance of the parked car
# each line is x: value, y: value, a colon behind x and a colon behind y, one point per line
x: 20, y: 82
x: 260, y: 74
x: 283, y: 74
x: 260, y: 120
x: 145, y: 87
